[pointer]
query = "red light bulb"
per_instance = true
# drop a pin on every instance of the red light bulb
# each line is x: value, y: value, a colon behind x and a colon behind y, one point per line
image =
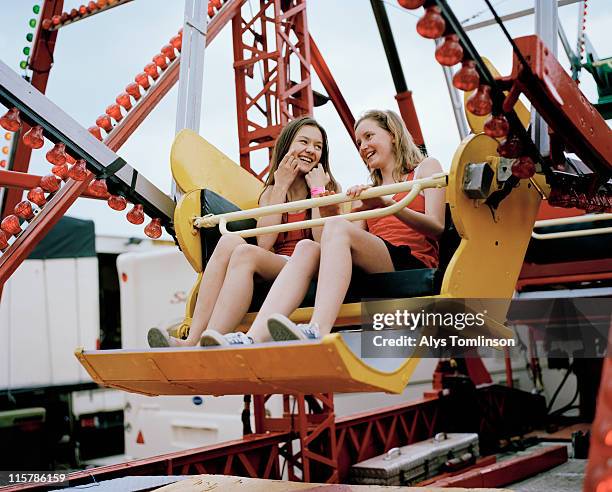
x: 211, y: 11
x: 78, y: 172
x: 10, y: 225
x: 74, y: 13
x: 497, y: 126
x: 117, y: 202
x: 160, y: 61
x: 95, y: 131
x: 142, y: 79
x: 92, y: 7
x: 37, y: 196
x: 64, y: 17
x: 57, y: 155
x: 114, y: 111
x: 450, y: 51
x: 49, y: 183
x: 480, y: 102
x: 3, y: 241
x: 467, y: 78
x: 510, y: 148
x: 411, y: 4
x: 56, y: 19
x: 46, y: 24
x: 153, y: 229
x: 151, y: 70
x: 98, y: 188
x: 34, y: 137
x: 101, y: 3
x: 523, y: 167
x: 104, y: 122
x: 11, y: 121
x: 177, y: 42
x: 133, y: 90
x: 136, y: 215
x: 124, y: 101
x: 82, y: 10
x: 168, y: 52
x: 24, y: 211
x: 216, y: 4
x: 431, y: 25
x: 61, y: 171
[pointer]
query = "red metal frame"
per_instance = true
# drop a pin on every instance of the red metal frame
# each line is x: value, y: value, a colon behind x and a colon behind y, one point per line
x: 283, y: 63
x: 508, y: 471
x: 559, y: 101
x: 599, y: 472
x: 327, y: 79
x: 41, y: 62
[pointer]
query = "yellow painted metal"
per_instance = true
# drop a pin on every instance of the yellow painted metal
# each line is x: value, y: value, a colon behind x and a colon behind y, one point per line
x: 187, y: 236
x: 486, y: 265
x: 476, y: 123
x: 196, y: 164
x: 255, y: 369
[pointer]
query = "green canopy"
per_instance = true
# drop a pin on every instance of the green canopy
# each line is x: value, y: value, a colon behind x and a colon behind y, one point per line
x: 69, y: 238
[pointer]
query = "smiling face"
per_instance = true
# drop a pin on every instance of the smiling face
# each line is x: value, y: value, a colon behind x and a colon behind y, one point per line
x: 308, y: 146
x: 375, y: 145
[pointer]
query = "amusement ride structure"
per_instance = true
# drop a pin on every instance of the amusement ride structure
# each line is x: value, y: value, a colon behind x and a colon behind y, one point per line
x: 500, y: 175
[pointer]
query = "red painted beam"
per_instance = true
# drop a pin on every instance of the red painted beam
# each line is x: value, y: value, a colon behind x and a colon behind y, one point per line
x: 599, y: 472
x: 509, y: 471
x: 327, y: 79
x: 560, y: 102
x: 41, y: 62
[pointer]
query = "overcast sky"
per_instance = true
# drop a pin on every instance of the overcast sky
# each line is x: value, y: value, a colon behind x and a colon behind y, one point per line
x: 96, y: 58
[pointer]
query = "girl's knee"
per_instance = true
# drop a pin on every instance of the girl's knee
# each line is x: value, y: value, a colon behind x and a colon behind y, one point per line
x: 336, y: 227
x: 307, y: 248
x: 244, y: 254
x: 228, y: 243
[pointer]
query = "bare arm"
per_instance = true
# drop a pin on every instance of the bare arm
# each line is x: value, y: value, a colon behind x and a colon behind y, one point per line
x: 430, y: 223
x: 271, y: 196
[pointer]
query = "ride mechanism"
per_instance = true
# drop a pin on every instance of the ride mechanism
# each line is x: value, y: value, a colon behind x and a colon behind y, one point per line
x: 498, y: 167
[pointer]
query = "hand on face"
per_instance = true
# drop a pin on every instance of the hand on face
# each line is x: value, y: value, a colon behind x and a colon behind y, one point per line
x: 317, y: 178
x: 287, y: 170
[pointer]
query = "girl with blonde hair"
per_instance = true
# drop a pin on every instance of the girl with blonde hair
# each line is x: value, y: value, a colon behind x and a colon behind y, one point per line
x: 408, y: 239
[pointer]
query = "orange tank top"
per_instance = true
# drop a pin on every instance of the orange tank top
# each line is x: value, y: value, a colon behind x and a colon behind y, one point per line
x: 396, y: 232
x: 286, y: 241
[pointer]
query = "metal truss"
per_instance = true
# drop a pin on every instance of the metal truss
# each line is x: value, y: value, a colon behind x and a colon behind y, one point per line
x: 272, y: 73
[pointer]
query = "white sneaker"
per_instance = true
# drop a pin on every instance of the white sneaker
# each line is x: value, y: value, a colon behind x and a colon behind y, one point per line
x: 282, y: 329
x: 212, y: 338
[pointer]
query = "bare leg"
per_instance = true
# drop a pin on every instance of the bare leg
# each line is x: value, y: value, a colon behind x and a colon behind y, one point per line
x: 211, y: 284
x: 342, y: 245
x: 237, y: 291
x: 289, y: 288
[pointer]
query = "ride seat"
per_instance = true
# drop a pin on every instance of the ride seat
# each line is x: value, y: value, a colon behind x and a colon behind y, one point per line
x: 392, y: 285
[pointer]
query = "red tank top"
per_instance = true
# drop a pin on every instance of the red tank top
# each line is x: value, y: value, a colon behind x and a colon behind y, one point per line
x: 286, y: 241
x: 398, y: 233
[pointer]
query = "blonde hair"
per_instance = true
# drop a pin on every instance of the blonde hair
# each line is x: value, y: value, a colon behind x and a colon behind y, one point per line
x: 407, y: 153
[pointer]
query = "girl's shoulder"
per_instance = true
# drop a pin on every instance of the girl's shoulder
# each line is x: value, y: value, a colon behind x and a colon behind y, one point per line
x: 427, y: 167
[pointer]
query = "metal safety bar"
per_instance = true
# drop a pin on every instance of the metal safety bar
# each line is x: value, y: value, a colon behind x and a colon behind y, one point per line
x: 569, y: 221
x: 414, y: 187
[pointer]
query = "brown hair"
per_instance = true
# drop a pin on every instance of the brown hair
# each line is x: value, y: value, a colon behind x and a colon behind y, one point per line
x: 407, y: 153
x: 283, y: 142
